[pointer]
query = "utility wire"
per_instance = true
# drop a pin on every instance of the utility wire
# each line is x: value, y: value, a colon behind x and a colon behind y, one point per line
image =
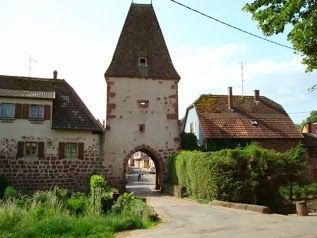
x: 234, y: 27
x: 297, y: 112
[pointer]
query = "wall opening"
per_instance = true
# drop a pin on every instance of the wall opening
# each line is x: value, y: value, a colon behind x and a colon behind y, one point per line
x: 143, y: 171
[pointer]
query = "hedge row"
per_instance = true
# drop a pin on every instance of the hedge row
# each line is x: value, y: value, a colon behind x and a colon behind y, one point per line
x: 248, y: 175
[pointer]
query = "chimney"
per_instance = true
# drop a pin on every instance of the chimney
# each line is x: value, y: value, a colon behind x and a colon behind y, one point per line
x: 256, y: 95
x: 309, y: 127
x: 230, y: 98
x: 55, y: 74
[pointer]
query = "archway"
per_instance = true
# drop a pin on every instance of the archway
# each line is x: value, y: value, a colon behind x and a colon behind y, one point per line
x: 157, y: 160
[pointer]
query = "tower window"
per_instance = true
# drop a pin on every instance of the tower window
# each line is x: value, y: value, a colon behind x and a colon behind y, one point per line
x: 143, y: 103
x: 141, y: 128
x: 142, y: 61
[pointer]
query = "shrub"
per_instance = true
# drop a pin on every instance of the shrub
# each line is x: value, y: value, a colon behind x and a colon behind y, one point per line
x: 10, y: 192
x: 189, y: 141
x: 46, y: 215
x: 130, y: 204
x: 301, y: 191
x: 77, y: 203
x: 248, y: 175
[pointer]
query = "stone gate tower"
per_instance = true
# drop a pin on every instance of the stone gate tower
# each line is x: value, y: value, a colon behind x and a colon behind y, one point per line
x: 142, y: 97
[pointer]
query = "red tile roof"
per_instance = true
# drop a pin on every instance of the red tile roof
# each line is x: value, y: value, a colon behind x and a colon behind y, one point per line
x: 218, y: 121
x: 141, y: 36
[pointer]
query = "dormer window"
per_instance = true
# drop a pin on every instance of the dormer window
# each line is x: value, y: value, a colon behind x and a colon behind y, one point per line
x: 254, y: 122
x: 142, y: 61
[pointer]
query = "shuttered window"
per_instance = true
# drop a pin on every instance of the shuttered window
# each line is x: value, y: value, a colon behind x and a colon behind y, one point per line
x: 7, y: 110
x: 71, y: 150
x: 30, y: 149
x: 36, y: 111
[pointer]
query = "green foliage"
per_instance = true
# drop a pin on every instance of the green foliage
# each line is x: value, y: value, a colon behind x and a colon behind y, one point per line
x: 61, y: 213
x: 189, y: 141
x: 310, y: 119
x: 130, y: 204
x: 273, y: 16
x: 10, y: 192
x: 220, y: 144
x: 249, y: 175
x: 301, y: 191
x: 3, y: 184
x: 78, y: 203
x: 100, y: 201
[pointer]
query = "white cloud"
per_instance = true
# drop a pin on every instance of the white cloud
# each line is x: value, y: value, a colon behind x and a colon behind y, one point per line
x: 213, y: 70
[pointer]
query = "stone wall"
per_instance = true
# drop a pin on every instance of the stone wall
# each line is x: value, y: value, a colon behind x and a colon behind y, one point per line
x: 47, y: 169
x: 45, y: 173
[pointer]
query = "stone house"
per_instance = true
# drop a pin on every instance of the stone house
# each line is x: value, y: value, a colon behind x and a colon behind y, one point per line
x: 226, y: 121
x: 48, y: 136
x: 309, y: 141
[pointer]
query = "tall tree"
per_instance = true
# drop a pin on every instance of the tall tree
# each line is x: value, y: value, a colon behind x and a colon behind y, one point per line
x: 274, y: 15
x: 312, y: 117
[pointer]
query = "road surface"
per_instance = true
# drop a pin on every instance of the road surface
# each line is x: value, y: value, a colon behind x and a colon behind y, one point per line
x: 182, y: 218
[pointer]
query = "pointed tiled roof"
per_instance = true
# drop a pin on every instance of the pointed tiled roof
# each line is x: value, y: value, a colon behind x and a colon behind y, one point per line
x: 261, y: 119
x: 69, y: 111
x: 141, y: 36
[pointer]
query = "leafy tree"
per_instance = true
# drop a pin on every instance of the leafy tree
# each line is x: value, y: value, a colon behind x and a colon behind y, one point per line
x: 274, y: 16
x: 310, y: 119
x: 189, y: 141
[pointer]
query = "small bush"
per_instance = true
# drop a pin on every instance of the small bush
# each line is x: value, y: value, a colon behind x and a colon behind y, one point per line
x: 77, y: 203
x: 130, y: 204
x: 10, y: 192
x: 304, y: 191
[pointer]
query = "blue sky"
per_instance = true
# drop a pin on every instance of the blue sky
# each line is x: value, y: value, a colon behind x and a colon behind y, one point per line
x: 78, y: 37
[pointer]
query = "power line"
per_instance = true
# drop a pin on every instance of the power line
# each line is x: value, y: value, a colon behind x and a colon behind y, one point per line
x: 297, y: 112
x: 234, y: 27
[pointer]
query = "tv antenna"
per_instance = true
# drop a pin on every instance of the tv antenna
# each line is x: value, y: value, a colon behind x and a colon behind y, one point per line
x: 242, y: 80
x: 31, y: 59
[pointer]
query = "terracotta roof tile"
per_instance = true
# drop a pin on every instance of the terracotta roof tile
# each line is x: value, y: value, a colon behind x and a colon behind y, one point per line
x: 141, y: 36
x: 69, y: 111
x: 270, y: 119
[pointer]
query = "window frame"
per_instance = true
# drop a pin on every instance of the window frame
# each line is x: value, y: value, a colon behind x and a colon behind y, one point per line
x: 142, y: 61
x: 192, y: 127
x: 28, y: 145
x: 73, y: 154
x: 5, y: 110
x: 37, y: 114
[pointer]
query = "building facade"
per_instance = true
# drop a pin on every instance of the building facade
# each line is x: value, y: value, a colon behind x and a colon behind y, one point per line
x: 48, y: 137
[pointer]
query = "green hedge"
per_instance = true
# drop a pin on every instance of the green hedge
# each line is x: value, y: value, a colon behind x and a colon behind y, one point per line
x: 249, y: 175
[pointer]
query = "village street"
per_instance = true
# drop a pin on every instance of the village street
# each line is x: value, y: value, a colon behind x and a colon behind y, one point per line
x: 184, y: 218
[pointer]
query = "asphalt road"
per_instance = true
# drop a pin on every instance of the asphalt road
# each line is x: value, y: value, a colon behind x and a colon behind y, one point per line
x: 187, y: 219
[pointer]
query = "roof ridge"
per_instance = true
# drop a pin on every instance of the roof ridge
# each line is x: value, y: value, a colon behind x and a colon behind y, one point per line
x: 27, y: 77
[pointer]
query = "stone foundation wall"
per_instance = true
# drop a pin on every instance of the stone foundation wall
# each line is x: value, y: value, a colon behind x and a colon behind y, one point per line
x: 45, y: 173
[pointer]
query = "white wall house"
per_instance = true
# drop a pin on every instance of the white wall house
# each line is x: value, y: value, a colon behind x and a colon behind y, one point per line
x: 48, y: 137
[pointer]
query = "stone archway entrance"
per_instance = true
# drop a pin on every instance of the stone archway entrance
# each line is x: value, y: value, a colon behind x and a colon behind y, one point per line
x: 156, y: 158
